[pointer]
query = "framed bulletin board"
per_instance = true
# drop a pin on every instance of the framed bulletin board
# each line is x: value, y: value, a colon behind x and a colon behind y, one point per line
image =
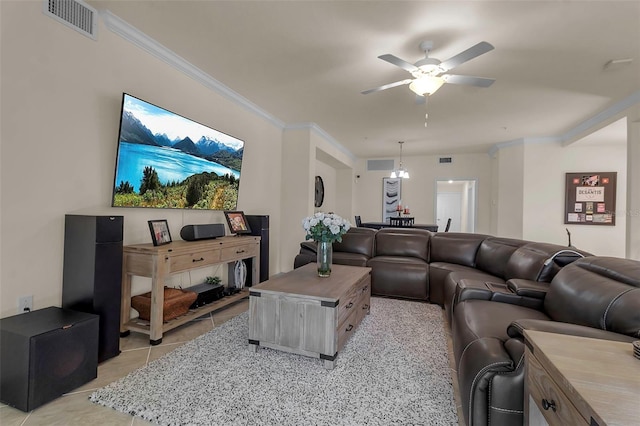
x: 590, y: 198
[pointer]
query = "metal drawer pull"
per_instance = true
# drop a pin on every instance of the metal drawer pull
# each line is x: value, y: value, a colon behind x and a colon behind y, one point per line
x: 549, y: 404
x: 198, y: 260
x: 349, y: 305
x: 350, y: 327
x: 239, y: 251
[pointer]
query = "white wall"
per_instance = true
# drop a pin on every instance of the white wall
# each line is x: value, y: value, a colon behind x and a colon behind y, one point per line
x: 633, y: 184
x: 305, y: 155
x: 510, y: 192
x: 545, y: 165
x: 328, y: 175
x: 419, y: 192
x: 61, y: 95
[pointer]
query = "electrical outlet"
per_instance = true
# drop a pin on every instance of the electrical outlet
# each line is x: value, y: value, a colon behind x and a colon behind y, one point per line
x: 25, y: 304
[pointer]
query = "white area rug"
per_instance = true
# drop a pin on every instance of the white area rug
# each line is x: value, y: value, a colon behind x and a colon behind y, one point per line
x: 393, y: 371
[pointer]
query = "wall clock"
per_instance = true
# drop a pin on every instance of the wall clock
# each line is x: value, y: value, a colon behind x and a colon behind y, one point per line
x: 319, y: 192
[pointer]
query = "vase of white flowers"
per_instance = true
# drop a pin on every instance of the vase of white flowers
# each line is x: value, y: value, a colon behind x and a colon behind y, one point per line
x: 324, y: 258
x: 325, y: 229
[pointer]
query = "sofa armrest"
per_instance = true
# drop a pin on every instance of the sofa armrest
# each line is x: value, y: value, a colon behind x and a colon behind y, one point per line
x: 308, y: 247
x: 498, y: 292
x: 528, y: 288
x: 516, y: 330
x: 482, y: 361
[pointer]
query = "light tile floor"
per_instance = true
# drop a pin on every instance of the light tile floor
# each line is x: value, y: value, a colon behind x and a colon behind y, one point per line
x: 75, y: 409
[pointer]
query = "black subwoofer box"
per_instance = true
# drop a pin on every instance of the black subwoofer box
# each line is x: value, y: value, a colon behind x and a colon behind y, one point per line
x: 46, y: 353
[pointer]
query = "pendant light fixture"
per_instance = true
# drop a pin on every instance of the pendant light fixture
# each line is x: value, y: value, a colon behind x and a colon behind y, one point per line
x: 400, y: 172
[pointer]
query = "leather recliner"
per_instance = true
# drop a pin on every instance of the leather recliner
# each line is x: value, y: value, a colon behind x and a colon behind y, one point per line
x: 492, y: 288
x: 593, y: 297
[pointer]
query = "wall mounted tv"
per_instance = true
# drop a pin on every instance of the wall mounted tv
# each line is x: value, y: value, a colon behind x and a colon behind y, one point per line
x: 165, y: 160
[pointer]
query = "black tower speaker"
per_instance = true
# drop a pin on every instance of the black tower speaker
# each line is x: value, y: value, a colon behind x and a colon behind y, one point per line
x: 46, y: 353
x: 259, y: 225
x: 92, y: 274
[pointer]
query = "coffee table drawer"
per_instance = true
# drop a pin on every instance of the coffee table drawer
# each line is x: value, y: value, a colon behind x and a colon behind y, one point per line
x: 364, y: 307
x: 353, y: 298
x: 346, y: 329
x: 544, y: 392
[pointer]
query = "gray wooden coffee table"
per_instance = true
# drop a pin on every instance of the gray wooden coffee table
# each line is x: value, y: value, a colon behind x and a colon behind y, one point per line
x: 302, y: 313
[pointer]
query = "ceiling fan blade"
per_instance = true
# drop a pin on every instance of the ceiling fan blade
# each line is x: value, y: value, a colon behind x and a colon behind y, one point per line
x: 387, y: 86
x: 467, y: 55
x: 399, y: 62
x: 468, y: 80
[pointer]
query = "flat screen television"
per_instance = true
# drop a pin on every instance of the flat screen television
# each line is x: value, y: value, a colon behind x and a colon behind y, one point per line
x: 165, y: 160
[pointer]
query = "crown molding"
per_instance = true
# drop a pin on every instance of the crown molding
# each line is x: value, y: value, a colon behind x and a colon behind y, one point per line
x: 128, y: 32
x: 599, y: 120
x: 604, y: 117
x: 313, y: 127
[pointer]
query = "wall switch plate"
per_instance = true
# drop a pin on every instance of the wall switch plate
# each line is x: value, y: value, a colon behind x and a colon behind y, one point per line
x: 25, y: 304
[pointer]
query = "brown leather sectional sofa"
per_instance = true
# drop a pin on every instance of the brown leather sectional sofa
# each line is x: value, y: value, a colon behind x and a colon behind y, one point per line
x: 492, y: 289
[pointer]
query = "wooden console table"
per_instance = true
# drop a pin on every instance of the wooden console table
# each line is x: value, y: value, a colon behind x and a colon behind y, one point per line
x: 158, y: 262
x: 573, y: 380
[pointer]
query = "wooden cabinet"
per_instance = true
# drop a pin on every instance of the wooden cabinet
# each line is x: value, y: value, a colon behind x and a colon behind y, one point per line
x: 159, y: 262
x: 302, y: 313
x: 573, y: 380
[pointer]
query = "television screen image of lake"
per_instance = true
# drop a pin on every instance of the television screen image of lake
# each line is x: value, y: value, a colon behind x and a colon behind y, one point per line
x: 172, y: 165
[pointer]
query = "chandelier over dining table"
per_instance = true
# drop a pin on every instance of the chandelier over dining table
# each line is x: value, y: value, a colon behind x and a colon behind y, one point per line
x: 400, y: 172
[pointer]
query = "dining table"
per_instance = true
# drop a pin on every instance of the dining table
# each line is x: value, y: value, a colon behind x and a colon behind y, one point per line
x: 380, y: 225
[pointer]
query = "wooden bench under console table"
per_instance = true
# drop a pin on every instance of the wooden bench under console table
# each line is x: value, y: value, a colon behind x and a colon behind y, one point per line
x: 159, y: 262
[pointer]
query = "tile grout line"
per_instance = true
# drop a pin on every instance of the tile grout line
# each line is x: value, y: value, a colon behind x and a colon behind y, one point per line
x: 26, y: 418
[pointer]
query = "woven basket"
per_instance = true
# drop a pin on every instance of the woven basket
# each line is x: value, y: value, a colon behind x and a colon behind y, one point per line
x: 176, y: 303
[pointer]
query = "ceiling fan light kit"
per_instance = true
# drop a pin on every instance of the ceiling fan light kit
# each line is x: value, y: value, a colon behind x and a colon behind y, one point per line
x: 426, y: 85
x: 429, y: 74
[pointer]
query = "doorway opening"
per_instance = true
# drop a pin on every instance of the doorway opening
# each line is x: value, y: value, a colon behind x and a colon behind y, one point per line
x: 456, y: 199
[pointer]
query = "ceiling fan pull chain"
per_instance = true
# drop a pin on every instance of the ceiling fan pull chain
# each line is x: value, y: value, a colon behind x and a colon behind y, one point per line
x: 426, y: 115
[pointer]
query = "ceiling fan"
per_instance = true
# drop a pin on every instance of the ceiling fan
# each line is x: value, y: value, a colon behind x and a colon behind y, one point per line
x: 429, y: 74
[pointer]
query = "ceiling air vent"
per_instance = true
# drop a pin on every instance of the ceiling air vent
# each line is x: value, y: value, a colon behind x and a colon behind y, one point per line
x: 445, y: 160
x: 75, y: 14
x: 378, y: 165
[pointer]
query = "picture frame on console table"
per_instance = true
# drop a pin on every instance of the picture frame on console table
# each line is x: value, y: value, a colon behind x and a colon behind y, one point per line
x: 159, y: 232
x: 237, y: 222
x: 590, y: 198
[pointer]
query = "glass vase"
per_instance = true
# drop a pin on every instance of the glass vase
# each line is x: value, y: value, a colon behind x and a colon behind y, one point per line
x: 325, y: 256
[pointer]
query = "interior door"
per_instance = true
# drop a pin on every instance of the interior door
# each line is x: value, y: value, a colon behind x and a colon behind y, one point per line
x: 449, y: 205
x: 456, y: 199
